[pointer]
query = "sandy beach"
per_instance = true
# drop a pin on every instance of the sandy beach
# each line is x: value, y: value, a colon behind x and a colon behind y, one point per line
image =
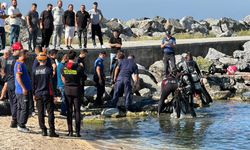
x: 11, y: 139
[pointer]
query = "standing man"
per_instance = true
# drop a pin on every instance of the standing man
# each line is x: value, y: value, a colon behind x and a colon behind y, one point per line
x: 3, y: 16
x: 82, y: 23
x: 23, y: 89
x: 10, y: 78
x: 115, y: 43
x: 46, y: 25
x: 123, y: 76
x: 72, y: 78
x: 99, y: 78
x: 69, y: 23
x: 58, y: 25
x: 15, y: 21
x: 33, y: 25
x: 42, y: 90
x: 96, y: 19
x: 168, y: 46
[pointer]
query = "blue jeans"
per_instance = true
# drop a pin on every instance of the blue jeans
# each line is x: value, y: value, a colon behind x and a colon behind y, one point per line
x: 63, y: 104
x: 14, y: 33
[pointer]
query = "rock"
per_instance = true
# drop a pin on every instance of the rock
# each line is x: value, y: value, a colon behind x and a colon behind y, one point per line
x: 128, y: 32
x: 221, y: 95
x: 114, y: 25
x: 174, y: 26
x: 110, y: 112
x: 245, y: 96
x: 90, y: 92
x: 216, y: 30
x: 187, y: 22
x: 239, y: 54
x: 157, y: 27
x: 4, y: 108
x: 213, y: 54
x: 148, y: 83
x: 145, y: 93
x: 212, y: 22
x: 178, y: 58
x: 138, y: 32
x: 158, y: 34
x: 247, y: 19
x: 145, y: 25
x: 125, y: 37
x: 159, y: 19
x: 228, y: 33
x: 140, y: 67
x: 228, y: 60
x: 157, y: 69
x: 230, y: 24
x: 197, y: 27
x: 246, y: 46
x: 133, y: 23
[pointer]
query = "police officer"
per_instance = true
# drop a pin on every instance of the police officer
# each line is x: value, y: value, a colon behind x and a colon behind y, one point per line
x: 99, y: 78
x: 72, y: 76
x: 168, y: 46
x: 168, y: 86
x: 123, y: 76
x: 42, y: 90
x: 9, y: 71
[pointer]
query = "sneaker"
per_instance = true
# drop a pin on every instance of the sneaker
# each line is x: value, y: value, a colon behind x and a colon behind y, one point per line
x: 13, y: 124
x: 60, y: 48
x: 23, y: 129
x: 71, y: 47
x: 33, y: 114
x: 102, y: 46
x: 67, y: 47
x: 94, y: 46
x: 80, y: 47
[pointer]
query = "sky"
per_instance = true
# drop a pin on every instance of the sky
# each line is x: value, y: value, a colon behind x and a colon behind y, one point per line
x: 128, y: 9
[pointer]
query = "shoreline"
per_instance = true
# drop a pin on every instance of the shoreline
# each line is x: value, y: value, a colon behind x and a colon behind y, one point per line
x: 11, y: 139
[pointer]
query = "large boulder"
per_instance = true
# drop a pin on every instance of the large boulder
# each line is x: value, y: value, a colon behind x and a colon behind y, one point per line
x: 216, y: 30
x: 197, y: 27
x: 212, y: 22
x: 187, y: 22
x: 157, y: 69
x: 127, y: 31
x: 245, y: 96
x: 213, y: 54
x: 174, y: 26
x: 228, y: 60
x: 221, y: 95
x: 139, y: 32
x: 90, y: 92
x: 146, y: 93
x: 149, y: 83
x: 229, y: 24
x: 110, y: 112
x: 159, y: 19
x: 133, y: 23
x: 247, y: 19
x: 246, y: 46
x: 114, y: 25
x: 157, y: 27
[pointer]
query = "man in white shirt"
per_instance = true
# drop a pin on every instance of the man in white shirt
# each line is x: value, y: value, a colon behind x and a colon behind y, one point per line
x: 15, y: 21
x: 3, y: 16
x: 58, y: 25
x: 96, y: 18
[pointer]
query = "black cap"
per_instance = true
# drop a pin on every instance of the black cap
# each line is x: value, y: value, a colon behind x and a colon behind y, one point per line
x: 103, y: 52
x: 95, y: 3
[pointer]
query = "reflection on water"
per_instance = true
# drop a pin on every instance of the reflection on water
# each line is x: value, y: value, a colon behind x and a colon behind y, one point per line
x: 224, y: 125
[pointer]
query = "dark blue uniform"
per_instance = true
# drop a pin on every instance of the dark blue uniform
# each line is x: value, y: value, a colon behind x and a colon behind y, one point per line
x: 127, y: 67
x: 100, y: 87
x: 9, y: 70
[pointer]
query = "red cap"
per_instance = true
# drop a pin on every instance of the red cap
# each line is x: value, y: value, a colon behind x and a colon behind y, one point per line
x: 17, y: 46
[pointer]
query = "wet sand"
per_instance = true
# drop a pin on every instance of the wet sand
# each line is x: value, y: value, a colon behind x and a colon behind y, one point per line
x: 11, y: 139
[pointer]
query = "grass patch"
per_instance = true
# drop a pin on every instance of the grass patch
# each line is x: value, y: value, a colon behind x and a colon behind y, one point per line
x: 202, y: 63
x: 243, y: 33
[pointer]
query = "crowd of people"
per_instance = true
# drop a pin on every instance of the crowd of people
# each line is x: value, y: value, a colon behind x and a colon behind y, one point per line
x: 52, y: 22
x: 53, y: 75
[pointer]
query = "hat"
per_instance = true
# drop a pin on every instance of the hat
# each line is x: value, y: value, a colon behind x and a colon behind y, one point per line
x: 4, y: 4
x: 103, y: 52
x: 17, y: 46
x: 41, y: 56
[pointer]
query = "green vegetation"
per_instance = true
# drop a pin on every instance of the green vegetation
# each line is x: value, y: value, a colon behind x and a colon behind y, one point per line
x: 203, y: 63
x: 243, y: 33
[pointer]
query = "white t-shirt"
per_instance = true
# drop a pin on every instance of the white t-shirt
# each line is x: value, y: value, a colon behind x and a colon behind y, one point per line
x: 14, y: 11
x: 2, y: 21
x: 58, y: 16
